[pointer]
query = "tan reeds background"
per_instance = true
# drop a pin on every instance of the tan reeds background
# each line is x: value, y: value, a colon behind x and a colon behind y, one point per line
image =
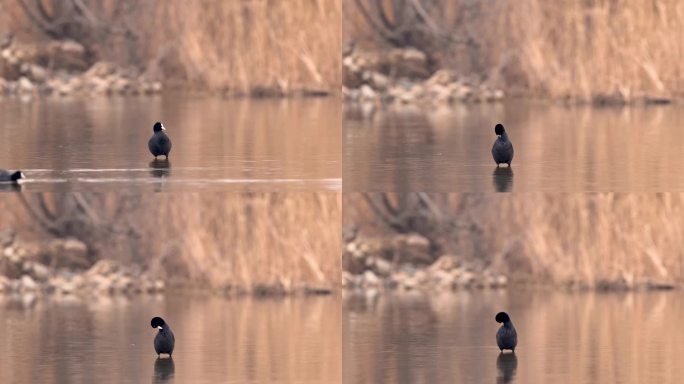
x: 239, y: 241
x: 243, y: 46
x: 576, y: 49
x: 594, y: 240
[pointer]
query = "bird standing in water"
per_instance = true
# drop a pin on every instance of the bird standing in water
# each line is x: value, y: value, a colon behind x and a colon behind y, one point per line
x: 160, y: 143
x: 9, y: 176
x: 506, y: 336
x: 164, y: 341
x: 502, y: 151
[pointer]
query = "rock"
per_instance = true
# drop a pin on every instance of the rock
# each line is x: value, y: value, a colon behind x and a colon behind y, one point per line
x: 34, y: 72
x: 123, y: 284
x: 3, y: 86
x: 159, y: 285
x: 98, y: 84
x: 367, y: 93
x: 103, y: 268
x: 465, y: 279
x: 442, y: 77
x: 407, y: 97
x: 370, y: 279
x: 443, y: 279
x: 498, y: 95
x: 439, y: 93
x: 100, y: 69
x: 4, y: 284
x: 37, y: 271
x: 7, y: 236
x: 27, y: 284
x: 411, y: 248
x: 70, y: 253
x: 461, y: 92
x: 68, y: 55
x: 444, y: 263
x: 382, y: 267
x: 156, y: 87
x: 100, y: 283
x: 408, y: 62
x: 378, y: 81
x: 24, y: 85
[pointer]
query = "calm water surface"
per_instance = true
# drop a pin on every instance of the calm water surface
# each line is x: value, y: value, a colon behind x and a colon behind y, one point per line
x: 562, y: 338
x: 292, y: 340
x: 557, y: 148
x: 101, y: 143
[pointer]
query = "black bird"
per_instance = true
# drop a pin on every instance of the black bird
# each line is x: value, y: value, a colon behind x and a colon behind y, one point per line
x: 159, y: 143
x: 11, y: 176
x: 164, y: 341
x: 506, y: 336
x: 502, y: 151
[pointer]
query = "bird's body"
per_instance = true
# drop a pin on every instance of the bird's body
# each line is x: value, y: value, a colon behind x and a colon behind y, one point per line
x: 164, y: 342
x: 160, y: 143
x: 502, y: 150
x: 11, y: 176
x: 506, y: 336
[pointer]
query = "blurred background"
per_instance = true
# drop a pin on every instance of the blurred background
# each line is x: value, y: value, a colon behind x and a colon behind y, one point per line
x: 588, y: 93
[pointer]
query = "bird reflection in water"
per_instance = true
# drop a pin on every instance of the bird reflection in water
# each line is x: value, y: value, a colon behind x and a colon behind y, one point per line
x: 160, y: 168
x: 163, y: 370
x: 503, y: 179
x: 506, y: 365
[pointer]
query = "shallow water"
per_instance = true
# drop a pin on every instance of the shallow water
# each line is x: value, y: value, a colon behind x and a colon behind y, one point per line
x: 562, y: 338
x: 287, y: 340
x: 557, y: 148
x: 218, y: 144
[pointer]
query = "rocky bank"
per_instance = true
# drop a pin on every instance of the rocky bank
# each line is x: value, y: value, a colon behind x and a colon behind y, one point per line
x: 405, y: 76
x: 60, y: 267
x: 64, y: 68
x: 407, y: 262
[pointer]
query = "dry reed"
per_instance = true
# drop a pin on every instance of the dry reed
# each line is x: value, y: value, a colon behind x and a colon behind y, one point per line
x: 258, y: 46
x: 240, y: 241
x: 594, y: 240
x: 580, y: 50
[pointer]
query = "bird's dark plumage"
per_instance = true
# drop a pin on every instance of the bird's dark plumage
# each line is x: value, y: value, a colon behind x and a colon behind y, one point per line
x: 160, y: 143
x: 11, y: 176
x: 506, y: 336
x: 502, y: 150
x: 164, y: 341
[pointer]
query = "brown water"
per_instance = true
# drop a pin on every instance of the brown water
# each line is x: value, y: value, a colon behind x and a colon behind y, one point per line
x: 562, y: 338
x: 104, y: 340
x: 557, y: 148
x: 218, y: 144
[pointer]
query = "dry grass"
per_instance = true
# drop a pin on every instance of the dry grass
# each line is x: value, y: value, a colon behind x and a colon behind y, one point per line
x: 596, y: 240
x: 216, y: 240
x: 256, y: 46
x: 570, y: 49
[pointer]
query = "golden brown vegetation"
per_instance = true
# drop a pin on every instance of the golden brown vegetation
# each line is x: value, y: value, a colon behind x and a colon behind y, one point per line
x: 258, y: 46
x: 581, y: 50
x: 247, y: 241
x: 595, y: 240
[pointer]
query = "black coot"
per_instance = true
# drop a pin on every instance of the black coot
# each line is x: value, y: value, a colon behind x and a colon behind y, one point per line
x: 11, y: 176
x: 506, y: 336
x: 159, y: 143
x: 502, y: 150
x: 164, y: 341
